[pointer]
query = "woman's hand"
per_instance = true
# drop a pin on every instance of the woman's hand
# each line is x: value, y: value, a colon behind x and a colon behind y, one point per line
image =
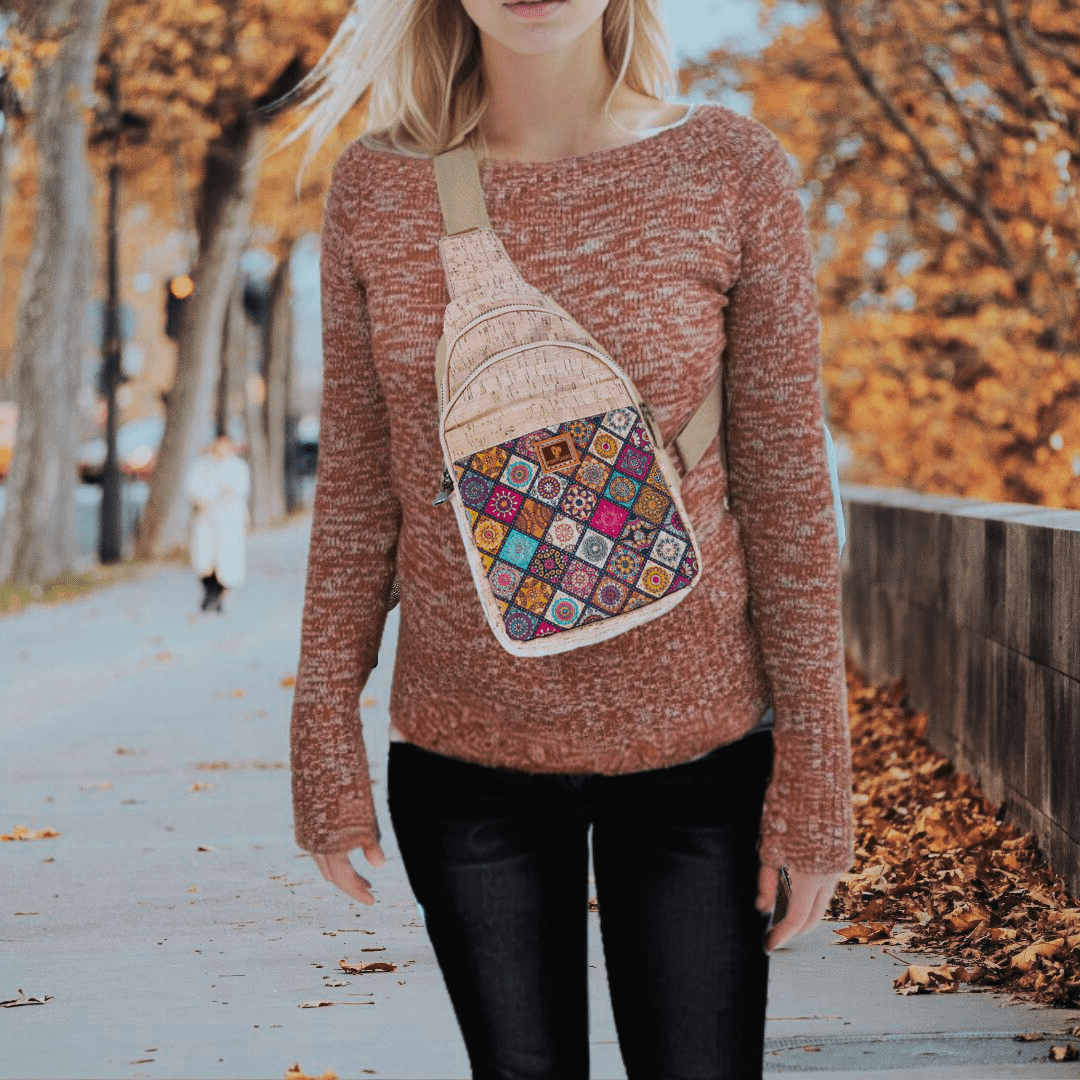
x: 810, y: 896
x: 337, y: 869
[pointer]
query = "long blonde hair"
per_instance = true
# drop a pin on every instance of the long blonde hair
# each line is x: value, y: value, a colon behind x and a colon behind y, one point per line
x: 416, y: 65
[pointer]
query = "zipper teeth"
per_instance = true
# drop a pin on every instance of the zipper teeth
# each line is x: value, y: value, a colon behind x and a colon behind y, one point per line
x: 476, y: 322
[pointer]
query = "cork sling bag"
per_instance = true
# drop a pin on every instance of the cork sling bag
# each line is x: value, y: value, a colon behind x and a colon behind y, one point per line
x: 567, y: 501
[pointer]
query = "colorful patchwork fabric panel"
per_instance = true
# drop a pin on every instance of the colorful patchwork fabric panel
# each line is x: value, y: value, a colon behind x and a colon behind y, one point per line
x: 575, y: 524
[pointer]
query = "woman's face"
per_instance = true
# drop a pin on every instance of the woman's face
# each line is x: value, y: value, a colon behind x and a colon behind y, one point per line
x: 533, y: 28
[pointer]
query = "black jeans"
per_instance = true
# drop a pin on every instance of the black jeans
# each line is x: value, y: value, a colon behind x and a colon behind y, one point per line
x: 499, y: 861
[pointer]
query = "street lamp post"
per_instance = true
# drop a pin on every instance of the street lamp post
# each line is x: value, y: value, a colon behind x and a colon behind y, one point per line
x: 111, y: 535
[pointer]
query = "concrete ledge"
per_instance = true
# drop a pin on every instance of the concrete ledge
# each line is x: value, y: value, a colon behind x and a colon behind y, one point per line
x: 978, y: 605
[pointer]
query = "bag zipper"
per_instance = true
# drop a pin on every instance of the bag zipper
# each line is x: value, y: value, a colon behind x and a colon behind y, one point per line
x: 446, y: 483
x: 483, y: 318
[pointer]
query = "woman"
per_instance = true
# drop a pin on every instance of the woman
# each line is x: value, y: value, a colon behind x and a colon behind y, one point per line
x: 674, y: 235
x: 218, y: 483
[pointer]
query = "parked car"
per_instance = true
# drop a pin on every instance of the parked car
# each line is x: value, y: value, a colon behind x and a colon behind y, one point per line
x: 137, y: 445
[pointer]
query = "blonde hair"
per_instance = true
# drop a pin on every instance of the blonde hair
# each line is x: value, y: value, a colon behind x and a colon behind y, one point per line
x: 416, y: 67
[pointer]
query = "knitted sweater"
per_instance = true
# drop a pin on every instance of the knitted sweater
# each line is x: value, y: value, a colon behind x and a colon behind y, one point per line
x: 673, y: 251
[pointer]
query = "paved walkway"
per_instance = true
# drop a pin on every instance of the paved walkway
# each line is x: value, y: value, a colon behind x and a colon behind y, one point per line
x: 176, y: 928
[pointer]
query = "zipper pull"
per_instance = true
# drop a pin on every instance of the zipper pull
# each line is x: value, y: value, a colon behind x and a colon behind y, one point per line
x: 650, y: 422
x: 446, y: 487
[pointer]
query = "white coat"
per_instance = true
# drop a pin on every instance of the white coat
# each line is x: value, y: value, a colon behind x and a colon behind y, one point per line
x: 218, y: 488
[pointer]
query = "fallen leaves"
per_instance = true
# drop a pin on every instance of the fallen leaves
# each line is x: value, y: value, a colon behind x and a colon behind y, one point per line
x: 287, y: 681
x: 22, y: 999
x: 1068, y: 1052
x: 937, y: 871
x: 21, y: 832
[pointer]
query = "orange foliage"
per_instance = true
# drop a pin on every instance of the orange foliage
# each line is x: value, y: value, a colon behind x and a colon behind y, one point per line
x: 940, y: 150
x: 188, y: 67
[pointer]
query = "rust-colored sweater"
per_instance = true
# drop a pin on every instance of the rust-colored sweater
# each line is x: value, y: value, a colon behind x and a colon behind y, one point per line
x: 673, y: 250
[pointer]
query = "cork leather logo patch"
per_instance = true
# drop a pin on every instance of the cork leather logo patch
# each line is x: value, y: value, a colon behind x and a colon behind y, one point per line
x: 557, y: 453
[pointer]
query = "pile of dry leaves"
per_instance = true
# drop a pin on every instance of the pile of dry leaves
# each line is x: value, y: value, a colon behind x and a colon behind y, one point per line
x: 937, y: 870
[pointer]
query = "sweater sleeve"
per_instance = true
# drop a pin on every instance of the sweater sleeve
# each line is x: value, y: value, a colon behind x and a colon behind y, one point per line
x: 351, y: 558
x: 782, y: 499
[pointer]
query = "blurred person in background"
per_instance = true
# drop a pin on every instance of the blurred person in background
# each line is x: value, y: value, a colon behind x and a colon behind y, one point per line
x: 218, y: 484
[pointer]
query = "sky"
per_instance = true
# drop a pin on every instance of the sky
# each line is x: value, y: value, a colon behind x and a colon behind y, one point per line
x: 696, y: 26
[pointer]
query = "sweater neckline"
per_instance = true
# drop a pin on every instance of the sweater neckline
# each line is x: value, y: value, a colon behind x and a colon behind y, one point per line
x: 621, y: 154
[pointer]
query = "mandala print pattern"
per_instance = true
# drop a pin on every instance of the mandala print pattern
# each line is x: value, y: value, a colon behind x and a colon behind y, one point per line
x: 568, y: 548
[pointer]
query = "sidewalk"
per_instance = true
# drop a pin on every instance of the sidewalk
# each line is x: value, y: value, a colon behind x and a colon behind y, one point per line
x: 177, y: 929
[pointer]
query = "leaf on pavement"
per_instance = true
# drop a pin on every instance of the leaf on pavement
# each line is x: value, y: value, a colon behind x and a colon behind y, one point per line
x: 21, y: 832
x: 22, y: 999
x: 322, y: 1004
x: 288, y: 680
x: 864, y: 933
x: 294, y: 1072
x: 1068, y: 1052
x: 363, y: 969
x: 919, y: 979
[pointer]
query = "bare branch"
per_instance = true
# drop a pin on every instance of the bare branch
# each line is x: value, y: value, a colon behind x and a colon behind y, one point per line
x: 977, y: 206
x: 1045, y: 45
x: 1012, y: 44
x: 971, y: 137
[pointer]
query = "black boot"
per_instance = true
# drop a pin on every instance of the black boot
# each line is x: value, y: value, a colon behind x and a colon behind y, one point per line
x: 212, y: 590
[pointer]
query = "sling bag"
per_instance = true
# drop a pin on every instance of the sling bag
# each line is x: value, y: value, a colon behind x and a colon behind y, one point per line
x: 567, y: 500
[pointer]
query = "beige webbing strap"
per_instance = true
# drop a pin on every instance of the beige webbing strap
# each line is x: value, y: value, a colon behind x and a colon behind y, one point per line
x: 457, y: 174
x: 699, y: 431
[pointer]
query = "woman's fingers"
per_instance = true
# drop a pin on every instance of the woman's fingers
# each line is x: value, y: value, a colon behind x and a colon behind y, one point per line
x: 374, y: 854
x: 768, y: 880
x: 337, y: 869
x: 810, y: 895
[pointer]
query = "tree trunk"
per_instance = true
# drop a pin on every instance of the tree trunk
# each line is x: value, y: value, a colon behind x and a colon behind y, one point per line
x: 228, y: 192
x: 231, y: 404
x: 37, y: 535
x: 277, y: 365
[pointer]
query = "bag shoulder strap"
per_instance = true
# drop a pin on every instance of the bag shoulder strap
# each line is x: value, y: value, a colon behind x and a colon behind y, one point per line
x: 461, y: 198
x: 457, y: 173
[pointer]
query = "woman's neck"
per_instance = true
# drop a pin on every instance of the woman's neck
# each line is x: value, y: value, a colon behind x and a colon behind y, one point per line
x: 551, y: 106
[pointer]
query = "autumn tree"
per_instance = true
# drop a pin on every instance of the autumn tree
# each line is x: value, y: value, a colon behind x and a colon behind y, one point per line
x: 37, y: 535
x: 202, y: 70
x: 939, y: 145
